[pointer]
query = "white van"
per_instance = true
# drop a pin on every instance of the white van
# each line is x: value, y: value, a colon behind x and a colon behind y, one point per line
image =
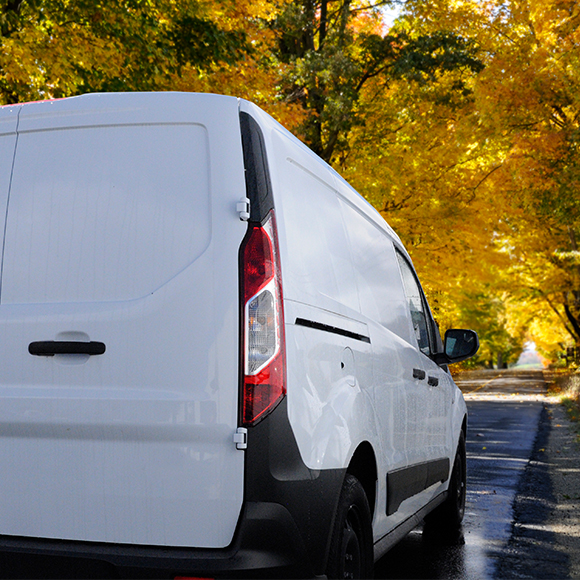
x: 217, y: 359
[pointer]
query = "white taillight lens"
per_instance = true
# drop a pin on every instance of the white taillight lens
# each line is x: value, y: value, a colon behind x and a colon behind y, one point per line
x: 262, y: 330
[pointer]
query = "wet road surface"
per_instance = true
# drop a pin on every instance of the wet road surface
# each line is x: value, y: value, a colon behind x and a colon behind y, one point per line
x: 504, y: 413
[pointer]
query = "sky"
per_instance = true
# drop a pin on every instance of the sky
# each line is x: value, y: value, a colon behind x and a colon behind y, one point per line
x: 390, y: 13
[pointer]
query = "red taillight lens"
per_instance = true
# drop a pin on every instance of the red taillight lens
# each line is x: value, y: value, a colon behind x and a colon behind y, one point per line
x: 258, y: 263
x: 262, y: 392
x: 263, y: 352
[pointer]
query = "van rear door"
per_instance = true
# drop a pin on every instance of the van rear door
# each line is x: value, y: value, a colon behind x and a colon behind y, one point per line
x: 119, y: 321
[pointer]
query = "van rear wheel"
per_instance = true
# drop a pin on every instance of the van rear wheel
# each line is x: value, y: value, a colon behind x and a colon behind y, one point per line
x: 351, y: 549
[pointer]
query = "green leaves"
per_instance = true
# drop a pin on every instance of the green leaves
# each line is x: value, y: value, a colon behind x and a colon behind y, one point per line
x: 424, y: 58
x: 57, y: 48
x: 197, y: 41
x: 334, y: 49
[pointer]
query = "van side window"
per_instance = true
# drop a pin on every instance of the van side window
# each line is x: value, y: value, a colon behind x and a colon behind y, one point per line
x: 417, y: 307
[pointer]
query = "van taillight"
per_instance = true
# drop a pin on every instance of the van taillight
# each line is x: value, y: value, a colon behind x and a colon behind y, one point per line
x: 263, y: 350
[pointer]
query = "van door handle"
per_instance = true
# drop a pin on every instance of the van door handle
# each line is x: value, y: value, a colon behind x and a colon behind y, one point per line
x: 52, y: 347
x: 433, y: 381
x: 419, y: 374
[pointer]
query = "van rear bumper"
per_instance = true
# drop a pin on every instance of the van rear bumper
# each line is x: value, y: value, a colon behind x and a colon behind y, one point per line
x: 267, y: 542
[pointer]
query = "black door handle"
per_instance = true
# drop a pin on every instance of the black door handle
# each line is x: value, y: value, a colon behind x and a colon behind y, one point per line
x: 419, y: 374
x: 433, y: 381
x: 52, y: 347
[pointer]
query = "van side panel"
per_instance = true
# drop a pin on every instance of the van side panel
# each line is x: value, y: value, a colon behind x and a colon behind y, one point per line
x: 329, y: 372
x: 119, y: 214
x: 380, y: 290
x: 318, y: 269
x: 411, y: 414
x: 352, y: 351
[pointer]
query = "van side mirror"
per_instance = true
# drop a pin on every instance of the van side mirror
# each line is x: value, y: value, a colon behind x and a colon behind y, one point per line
x: 460, y: 344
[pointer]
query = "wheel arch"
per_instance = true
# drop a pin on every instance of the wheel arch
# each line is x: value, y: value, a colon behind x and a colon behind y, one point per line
x: 463, y: 429
x: 363, y: 466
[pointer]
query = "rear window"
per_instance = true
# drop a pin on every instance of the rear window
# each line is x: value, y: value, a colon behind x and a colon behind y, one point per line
x: 105, y: 213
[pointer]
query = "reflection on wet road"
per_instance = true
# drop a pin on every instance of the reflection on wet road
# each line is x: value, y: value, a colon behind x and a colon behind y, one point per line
x: 504, y: 411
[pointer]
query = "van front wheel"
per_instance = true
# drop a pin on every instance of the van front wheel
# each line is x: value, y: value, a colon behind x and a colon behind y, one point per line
x: 449, y: 515
x: 351, y: 549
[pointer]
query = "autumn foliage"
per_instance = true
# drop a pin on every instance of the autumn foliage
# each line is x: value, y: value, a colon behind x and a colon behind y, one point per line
x: 459, y: 122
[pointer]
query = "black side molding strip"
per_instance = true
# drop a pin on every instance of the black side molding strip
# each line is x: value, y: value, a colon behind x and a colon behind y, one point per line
x: 332, y: 329
x: 52, y: 347
x: 409, y: 481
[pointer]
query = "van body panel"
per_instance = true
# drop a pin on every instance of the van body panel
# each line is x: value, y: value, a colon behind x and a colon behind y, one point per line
x: 329, y: 342
x: 315, y: 256
x: 135, y: 445
x: 125, y: 214
x: 89, y: 224
x: 81, y: 434
x: 328, y: 379
x: 115, y: 220
x: 340, y: 270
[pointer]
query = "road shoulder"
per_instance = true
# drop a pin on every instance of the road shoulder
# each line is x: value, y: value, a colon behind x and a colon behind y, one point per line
x: 545, y: 539
x: 563, y: 454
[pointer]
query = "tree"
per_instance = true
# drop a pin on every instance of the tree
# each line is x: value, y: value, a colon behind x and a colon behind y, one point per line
x: 460, y: 123
x: 530, y: 91
x: 335, y: 47
x: 423, y: 160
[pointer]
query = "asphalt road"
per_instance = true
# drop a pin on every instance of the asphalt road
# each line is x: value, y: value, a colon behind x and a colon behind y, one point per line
x: 506, y: 413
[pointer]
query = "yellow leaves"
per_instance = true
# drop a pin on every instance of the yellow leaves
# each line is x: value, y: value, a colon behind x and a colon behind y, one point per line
x: 468, y: 185
x: 567, y: 257
x: 243, y: 9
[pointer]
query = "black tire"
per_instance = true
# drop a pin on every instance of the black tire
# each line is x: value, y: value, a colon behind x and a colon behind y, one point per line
x: 351, y: 548
x: 449, y: 515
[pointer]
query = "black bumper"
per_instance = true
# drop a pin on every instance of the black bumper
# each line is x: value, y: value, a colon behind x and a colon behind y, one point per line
x: 267, y: 543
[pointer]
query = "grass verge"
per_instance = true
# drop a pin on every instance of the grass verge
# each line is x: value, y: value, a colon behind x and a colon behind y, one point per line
x: 566, y: 386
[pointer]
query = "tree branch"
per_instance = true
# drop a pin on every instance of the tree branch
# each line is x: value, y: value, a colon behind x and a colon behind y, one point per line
x: 562, y: 319
x: 573, y: 321
x: 322, y: 27
x: 473, y: 189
